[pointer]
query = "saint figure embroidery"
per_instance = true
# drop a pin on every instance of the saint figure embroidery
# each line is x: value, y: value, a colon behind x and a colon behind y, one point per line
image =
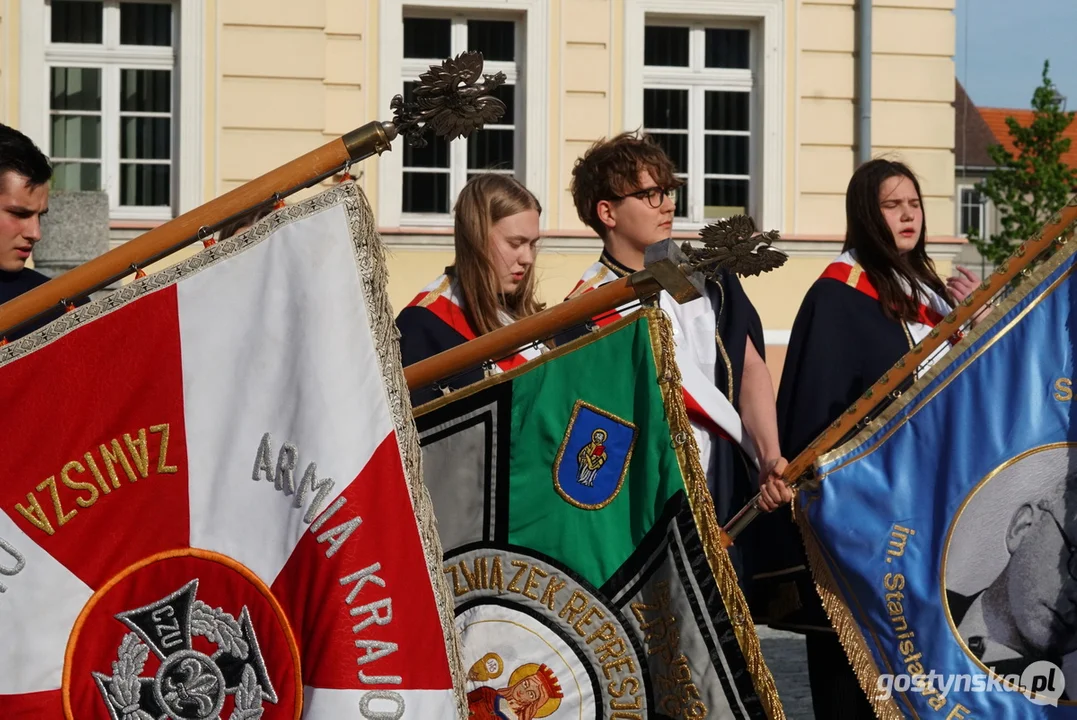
x: 591, y: 458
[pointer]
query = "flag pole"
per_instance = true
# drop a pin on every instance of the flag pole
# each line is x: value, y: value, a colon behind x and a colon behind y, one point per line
x: 731, y: 244
x: 505, y: 340
x: 1057, y: 231
x: 452, y: 99
x: 666, y: 267
x: 370, y: 139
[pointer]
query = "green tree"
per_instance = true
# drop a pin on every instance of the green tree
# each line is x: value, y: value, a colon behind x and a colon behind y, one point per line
x: 1031, y: 184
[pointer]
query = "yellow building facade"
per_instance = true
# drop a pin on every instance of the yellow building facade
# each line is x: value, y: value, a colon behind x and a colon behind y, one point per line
x: 165, y: 104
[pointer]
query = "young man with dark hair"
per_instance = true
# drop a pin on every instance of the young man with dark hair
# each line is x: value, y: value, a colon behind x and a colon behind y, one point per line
x: 24, y: 199
x: 624, y: 189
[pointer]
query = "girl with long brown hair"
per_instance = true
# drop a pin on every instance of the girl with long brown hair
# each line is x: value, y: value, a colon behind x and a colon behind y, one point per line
x: 877, y: 300
x: 490, y: 284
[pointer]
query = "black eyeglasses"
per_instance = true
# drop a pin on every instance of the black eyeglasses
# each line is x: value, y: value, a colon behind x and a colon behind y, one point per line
x: 653, y: 196
x: 1072, y: 566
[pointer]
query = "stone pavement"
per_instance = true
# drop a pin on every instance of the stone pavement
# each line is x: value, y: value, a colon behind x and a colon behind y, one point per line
x: 787, y: 660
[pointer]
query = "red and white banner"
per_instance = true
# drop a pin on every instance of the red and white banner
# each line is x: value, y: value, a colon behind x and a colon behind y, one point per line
x: 211, y: 502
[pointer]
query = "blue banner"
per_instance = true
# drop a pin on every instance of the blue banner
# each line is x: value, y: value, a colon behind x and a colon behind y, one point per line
x: 954, y: 590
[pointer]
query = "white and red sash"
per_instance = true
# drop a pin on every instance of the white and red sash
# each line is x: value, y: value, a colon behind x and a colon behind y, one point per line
x: 930, y: 311
x: 442, y: 297
x: 695, y: 326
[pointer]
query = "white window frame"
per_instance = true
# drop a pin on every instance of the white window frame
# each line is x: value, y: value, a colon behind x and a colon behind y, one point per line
x: 766, y: 150
x: 697, y: 80
x: 184, y: 59
x: 411, y: 68
x: 985, y: 204
x: 529, y: 73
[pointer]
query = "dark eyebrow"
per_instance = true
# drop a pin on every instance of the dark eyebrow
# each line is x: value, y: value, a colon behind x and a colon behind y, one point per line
x: 21, y: 210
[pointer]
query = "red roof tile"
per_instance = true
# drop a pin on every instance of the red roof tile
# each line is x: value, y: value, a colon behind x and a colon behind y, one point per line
x: 996, y: 121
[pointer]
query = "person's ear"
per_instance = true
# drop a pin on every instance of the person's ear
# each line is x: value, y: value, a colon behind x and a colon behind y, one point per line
x: 606, y: 215
x: 1022, y: 521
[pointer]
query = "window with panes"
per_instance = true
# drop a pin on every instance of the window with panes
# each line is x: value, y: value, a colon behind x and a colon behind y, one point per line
x: 973, y: 211
x: 698, y: 104
x: 433, y: 176
x: 110, y: 68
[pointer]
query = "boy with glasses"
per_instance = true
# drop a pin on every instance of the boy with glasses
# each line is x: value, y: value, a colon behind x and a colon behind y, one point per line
x: 625, y: 190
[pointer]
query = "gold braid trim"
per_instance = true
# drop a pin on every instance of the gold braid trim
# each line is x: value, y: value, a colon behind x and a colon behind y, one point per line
x: 730, y: 381
x: 845, y: 625
x: 854, y: 275
x: 699, y: 498
x: 434, y: 294
x: 591, y: 284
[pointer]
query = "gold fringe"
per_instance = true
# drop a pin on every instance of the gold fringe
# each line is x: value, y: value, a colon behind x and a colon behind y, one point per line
x: 845, y: 625
x: 370, y: 256
x: 699, y: 498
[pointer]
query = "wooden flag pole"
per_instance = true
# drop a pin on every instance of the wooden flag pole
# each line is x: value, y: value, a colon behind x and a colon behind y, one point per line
x: 666, y: 267
x: 1057, y: 230
x: 506, y: 340
x: 372, y: 138
x: 452, y: 100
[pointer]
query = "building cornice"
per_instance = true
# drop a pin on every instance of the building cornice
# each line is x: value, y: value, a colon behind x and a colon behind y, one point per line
x: 940, y: 247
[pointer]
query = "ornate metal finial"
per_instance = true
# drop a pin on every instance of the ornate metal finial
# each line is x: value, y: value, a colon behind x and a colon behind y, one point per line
x: 450, y: 100
x: 735, y: 245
